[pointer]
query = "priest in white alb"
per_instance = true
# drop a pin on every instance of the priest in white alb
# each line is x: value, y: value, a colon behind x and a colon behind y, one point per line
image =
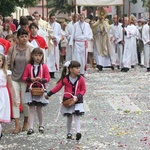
x: 81, y: 34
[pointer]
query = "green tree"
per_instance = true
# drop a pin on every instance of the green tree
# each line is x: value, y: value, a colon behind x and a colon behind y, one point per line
x: 59, y: 6
x: 9, y: 6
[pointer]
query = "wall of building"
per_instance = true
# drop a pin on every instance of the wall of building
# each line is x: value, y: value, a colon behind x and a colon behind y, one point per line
x: 136, y: 9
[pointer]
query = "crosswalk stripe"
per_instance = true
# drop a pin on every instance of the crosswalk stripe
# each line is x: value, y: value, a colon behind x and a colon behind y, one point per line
x: 123, y: 103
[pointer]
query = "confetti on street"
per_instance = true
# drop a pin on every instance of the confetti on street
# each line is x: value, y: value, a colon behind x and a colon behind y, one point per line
x: 117, y: 116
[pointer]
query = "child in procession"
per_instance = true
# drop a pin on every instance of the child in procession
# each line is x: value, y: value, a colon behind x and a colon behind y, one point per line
x: 74, y: 86
x: 5, y: 79
x: 36, y: 72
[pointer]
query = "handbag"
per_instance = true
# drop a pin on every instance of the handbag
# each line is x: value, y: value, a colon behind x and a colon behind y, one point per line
x: 36, y: 91
x: 71, y: 101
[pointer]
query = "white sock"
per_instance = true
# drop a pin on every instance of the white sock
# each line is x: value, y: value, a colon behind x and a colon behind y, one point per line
x: 31, y: 116
x: 69, y: 124
x: 77, y: 123
x: 40, y: 115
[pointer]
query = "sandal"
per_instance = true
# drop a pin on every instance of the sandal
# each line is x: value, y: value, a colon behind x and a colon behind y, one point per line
x: 30, y: 131
x: 16, y: 131
x: 41, y: 129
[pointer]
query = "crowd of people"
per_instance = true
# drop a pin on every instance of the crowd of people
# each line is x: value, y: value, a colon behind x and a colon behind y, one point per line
x: 34, y: 50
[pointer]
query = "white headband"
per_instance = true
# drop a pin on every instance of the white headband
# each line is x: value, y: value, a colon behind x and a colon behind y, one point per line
x: 67, y: 63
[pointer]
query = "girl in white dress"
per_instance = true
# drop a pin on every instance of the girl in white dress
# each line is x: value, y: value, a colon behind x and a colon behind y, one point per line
x: 5, y: 78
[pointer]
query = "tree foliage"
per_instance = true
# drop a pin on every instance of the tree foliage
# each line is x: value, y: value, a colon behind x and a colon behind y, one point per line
x: 59, y: 6
x: 9, y: 6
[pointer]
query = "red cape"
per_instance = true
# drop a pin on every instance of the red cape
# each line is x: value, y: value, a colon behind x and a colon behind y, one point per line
x: 5, y: 44
x: 40, y: 41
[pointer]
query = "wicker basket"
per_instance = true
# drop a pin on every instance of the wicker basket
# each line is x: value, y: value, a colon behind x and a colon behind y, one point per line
x: 37, y: 91
x: 69, y: 102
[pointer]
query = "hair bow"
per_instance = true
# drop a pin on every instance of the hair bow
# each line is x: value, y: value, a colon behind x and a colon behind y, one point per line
x: 67, y: 63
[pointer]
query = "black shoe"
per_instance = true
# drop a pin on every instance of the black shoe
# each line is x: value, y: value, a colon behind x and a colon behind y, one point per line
x: 69, y: 136
x: 41, y: 129
x: 125, y: 70
x: 118, y: 67
x: 52, y: 74
x: 132, y: 66
x: 78, y: 136
x: 112, y: 68
x: 148, y: 69
x: 1, y: 136
x: 122, y: 70
x: 100, y: 67
x: 30, y: 131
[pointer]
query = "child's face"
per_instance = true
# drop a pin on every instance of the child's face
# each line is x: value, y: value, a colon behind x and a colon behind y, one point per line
x: 37, y: 58
x: 25, y: 27
x: 34, y: 30
x: 7, y: 26
x: 1, y: 61
x: 75, y: 70
x: 11, y: 41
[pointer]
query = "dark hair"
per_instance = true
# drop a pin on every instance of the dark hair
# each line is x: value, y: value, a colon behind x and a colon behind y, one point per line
x: 51, y: 15
x: 21, y: 32
x: 36, y: 13
x: 33, y: 25
x: 36, y: 51
x: 73, y: 64
x: 30, y: 18
x: 23, y: 20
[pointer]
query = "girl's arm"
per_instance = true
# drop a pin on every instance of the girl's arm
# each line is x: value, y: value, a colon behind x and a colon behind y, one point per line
x: 46, y: 76
x: 55, y: 89
x: 82, y: 89
x: 12, y: 91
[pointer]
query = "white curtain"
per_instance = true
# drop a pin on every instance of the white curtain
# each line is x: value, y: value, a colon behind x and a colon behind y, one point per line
x: 96, y: 2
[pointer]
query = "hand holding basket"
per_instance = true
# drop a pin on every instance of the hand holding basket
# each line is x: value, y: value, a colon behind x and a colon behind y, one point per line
x: 36, y: 91
x: 69, y: 102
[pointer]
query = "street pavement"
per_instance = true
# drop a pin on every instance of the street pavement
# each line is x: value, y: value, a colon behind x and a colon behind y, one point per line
x: 117, y: 116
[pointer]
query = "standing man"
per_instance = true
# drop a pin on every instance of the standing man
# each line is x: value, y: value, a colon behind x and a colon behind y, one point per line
x: 45, y: 30
x: 140, y: 44
x: 116, y: 42
x: 53, y: 57
x: 81, y: 34
x: 102, y: 45
x: 129, y: 52
x: 146, y: 41
x: 69, y: 29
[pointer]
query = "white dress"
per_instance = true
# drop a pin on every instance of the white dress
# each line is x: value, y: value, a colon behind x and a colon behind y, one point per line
x: 4, y: 98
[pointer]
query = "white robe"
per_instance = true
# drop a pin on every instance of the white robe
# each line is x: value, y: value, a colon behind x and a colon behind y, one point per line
x: 100, y: 60
x: 53, y: 57
x: 68, y: 30
x: 130, y: 51
x: 133, y: 46
x: 126, y: 60
x: 146, y: 39
x: 115, y: 38
x: 79, y: 40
